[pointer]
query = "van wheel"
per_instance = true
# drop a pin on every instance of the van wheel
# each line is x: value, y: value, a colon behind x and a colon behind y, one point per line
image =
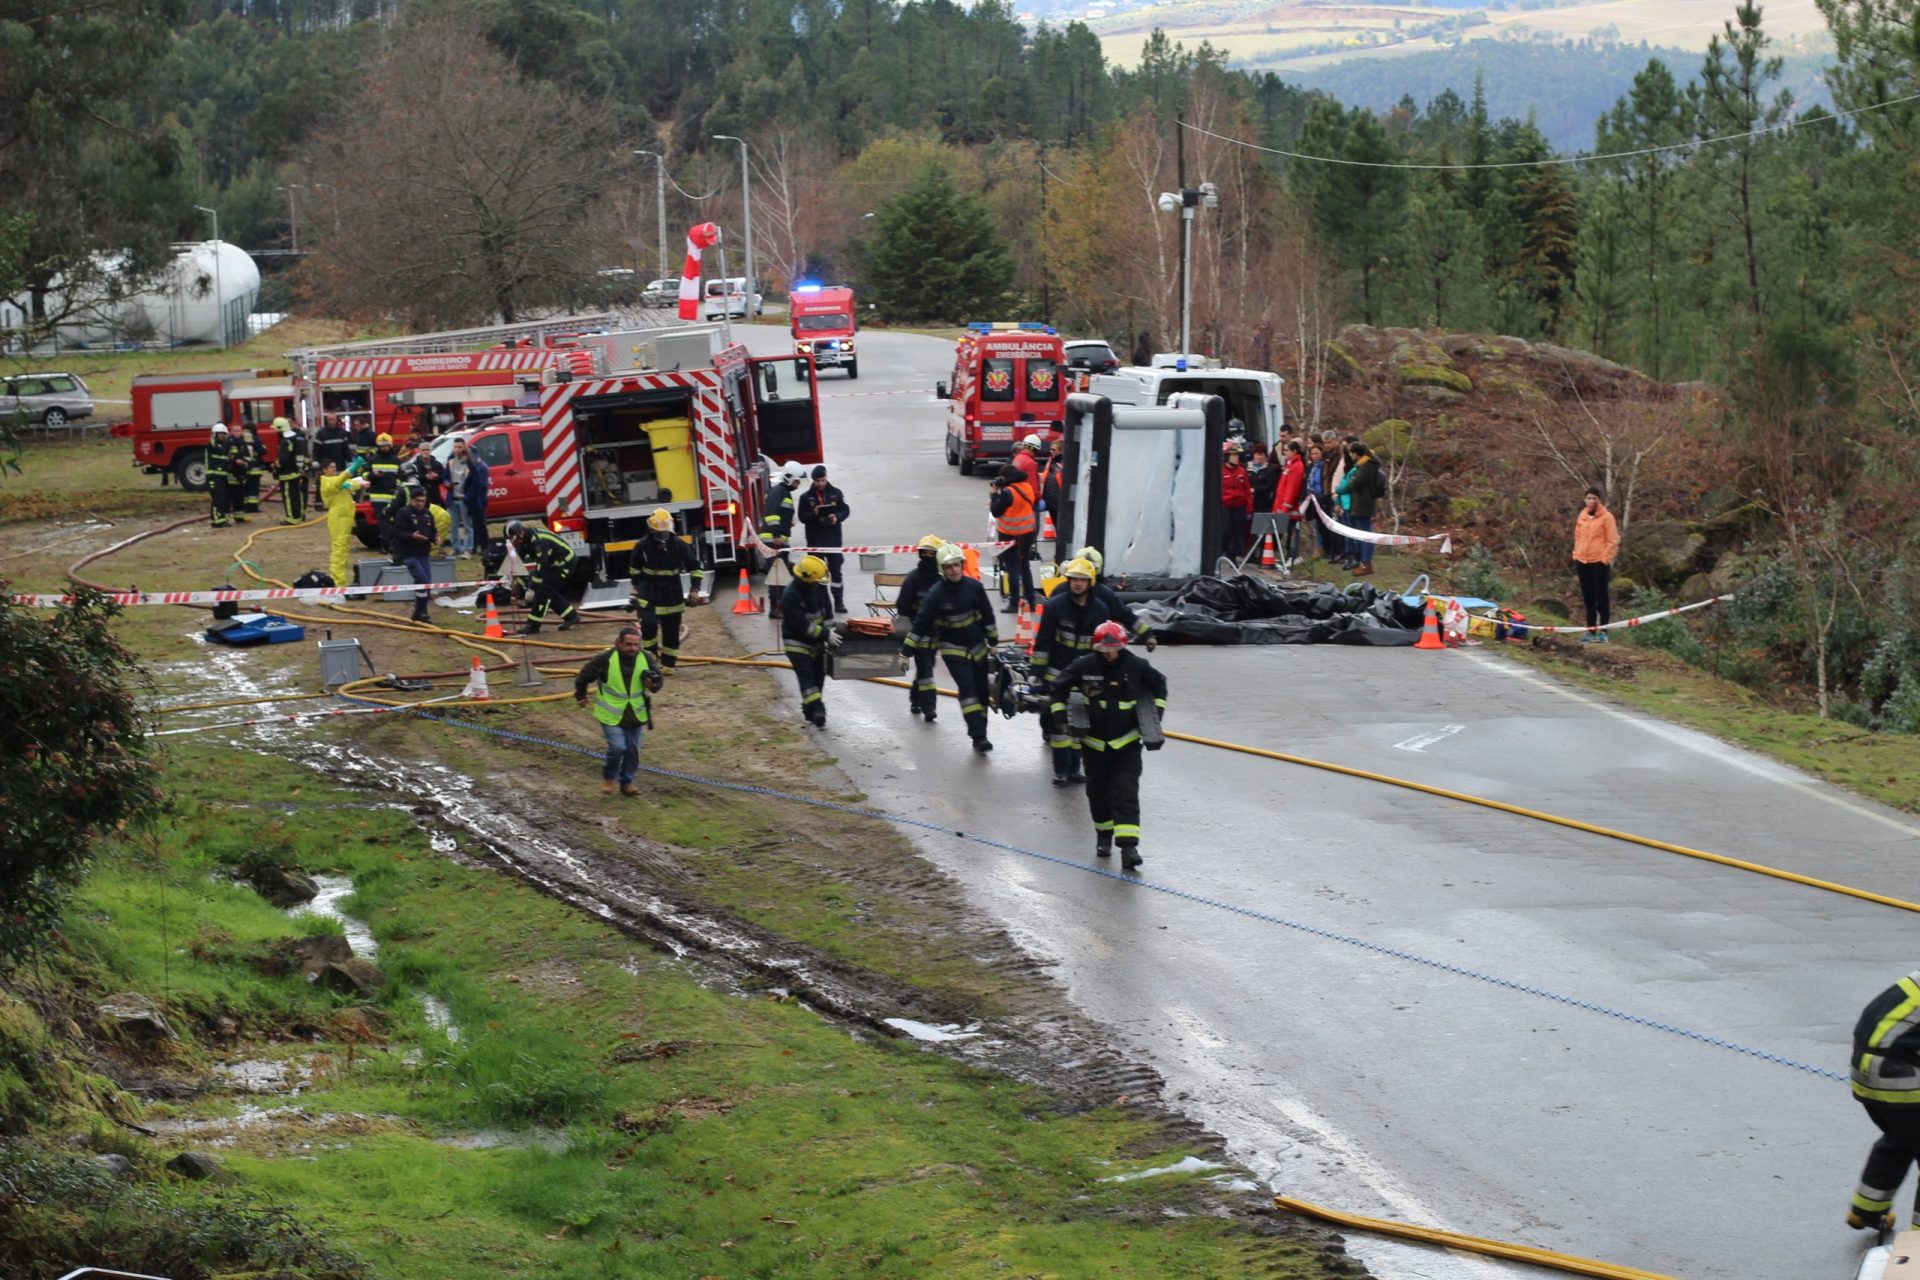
x: 953, y: 459
x: 190, y: 469
x: 966, y: 464
x: 853, y: 369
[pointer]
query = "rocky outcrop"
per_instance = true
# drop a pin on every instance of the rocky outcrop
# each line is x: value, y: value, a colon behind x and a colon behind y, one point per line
x: 308, y: 955
x: 353, y: 977
x: 132, y: 1018
x: 194, y: 1165
x: 284, y: 887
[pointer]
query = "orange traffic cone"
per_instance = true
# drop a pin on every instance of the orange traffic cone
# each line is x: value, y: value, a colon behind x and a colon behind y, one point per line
x: 744, y: 602
x: 972, y: 563
x: 1046, y: 527
x: 476, y: 690
x: 1266, y: 551
x: 1430, y: 637
x: 493, y: 622
x: 1026, y: 629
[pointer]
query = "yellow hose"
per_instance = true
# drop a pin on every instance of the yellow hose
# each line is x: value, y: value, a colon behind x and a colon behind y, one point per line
x: 1567, y: 1262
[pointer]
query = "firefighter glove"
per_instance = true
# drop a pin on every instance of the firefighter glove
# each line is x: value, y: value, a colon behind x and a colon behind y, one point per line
x: 1155, y: 746
x: 834, y: 638
x: 1151, y: 642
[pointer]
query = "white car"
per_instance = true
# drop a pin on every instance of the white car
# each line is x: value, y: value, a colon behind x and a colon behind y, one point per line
x: 727, y: 299
x: 661, y: 293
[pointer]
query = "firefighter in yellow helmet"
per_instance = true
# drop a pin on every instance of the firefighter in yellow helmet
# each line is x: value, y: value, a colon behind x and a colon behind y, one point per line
x: 654, y: 567
x: 955, y: 619
x: 923, y: 697
x: 1136, y: 627
x: 806, y: 632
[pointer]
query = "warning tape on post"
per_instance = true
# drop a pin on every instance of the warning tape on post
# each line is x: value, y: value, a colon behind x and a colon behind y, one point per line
x: 1378, y: 539
x: 1528, y: 628
x: 131, y: 598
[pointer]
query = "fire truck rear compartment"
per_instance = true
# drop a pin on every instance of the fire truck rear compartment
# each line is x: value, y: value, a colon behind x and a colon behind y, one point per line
x: 637, y: 456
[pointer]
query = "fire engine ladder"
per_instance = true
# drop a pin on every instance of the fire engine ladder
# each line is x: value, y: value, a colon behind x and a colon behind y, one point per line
x: 723, y: 508
x: 425, y: 344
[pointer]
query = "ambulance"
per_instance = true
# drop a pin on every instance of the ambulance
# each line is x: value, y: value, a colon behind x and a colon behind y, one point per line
x: 1009, y: 382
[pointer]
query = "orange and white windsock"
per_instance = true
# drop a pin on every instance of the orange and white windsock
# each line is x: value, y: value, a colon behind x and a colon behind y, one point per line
x: 699, y: 238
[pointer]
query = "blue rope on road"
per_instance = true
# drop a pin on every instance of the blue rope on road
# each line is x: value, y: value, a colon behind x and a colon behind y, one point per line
x: 1252, y: 913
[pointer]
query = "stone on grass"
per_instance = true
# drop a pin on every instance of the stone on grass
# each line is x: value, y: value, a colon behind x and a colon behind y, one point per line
x: 284, y: 887
x: 133, y: 1017
x: 194, y: 1165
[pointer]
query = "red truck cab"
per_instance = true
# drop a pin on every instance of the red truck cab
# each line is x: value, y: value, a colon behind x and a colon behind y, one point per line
x: 823, y: 322
x: 174, y: 415
x: 1008, y: 383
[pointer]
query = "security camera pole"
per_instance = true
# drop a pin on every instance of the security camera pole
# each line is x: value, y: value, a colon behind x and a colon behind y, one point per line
x: 1186, y: 200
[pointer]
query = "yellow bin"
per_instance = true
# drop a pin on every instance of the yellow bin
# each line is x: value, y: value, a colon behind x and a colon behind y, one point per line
x: 673, y: 467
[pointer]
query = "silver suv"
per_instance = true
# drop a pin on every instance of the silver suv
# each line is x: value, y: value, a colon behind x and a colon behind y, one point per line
x: 50, y: 400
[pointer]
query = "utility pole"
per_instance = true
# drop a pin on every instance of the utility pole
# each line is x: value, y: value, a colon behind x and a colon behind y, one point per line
x: 1046, y: 276
x: 1180, y: 160
x: 219, y: 286
x: 746, y: 210
x: 660, y: 184
x: 293, y: 217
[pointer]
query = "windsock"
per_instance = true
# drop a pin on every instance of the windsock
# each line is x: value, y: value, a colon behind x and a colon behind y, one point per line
x: 699, y: 238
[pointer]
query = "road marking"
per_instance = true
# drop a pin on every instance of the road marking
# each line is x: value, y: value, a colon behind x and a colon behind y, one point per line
x: 1420, y: 742
x: 1706, y: 745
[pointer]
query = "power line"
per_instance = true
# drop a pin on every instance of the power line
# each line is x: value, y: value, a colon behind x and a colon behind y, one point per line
x: 1552, y: 161
x: 689, y: 195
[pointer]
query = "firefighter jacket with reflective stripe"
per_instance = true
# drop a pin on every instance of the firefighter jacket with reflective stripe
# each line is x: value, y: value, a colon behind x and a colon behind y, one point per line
x: 1113, y: 691
x: 920, y: 580
x: 220, y: 459
x: 240, y: 458
x: 777, y: 525
x: 1066, y: 628
x: 385, y: 475
x: 957, y: 619
x: 806, y: 611
x: 256, y: 454
x: 622, y: 693
x: 822, y: 513
x: 548, y: 557
x: 1012, y: 508
x: 331, y: 443
x: 1886, y: 1046
x: 293, y: 454
x: 655, y: 565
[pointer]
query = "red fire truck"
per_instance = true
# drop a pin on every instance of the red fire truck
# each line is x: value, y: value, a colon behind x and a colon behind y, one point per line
x: 174, y: 414
x: 1008, y: 383
x: 823, y: 323
x: 695, y: 429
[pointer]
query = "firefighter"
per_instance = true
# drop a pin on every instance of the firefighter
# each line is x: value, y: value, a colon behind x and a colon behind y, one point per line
x: 623, y: 707
x: 1886, y: 1081
x: 238, y: 464
x: 337, y: 495
x: 1136, y: 626
x: 331, y: 443
x: 956, y: 618
x: 823, y: 513
x: 383, y: 469
x: 776, y: 526
x: 1067, y: 624
x: 1112, y: 683
x: 806, y: 632
x: 549, y: 559
x: 220, y: 474
x: 290, y: 469
x: 1015, y: 521
x: 361, y: 436
x: 655, y: 564
x: 256, y: 471
x: 414, y: 535
x: 923, y: 698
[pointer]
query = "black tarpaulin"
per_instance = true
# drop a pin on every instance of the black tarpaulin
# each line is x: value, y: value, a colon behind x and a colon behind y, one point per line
x: 1246, y: 610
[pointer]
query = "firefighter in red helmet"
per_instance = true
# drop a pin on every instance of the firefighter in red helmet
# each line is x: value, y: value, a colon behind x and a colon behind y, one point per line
x: 1112, y: 701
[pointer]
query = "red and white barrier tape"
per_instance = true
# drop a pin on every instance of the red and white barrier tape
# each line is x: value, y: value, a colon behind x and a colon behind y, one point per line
x: 1378, y: 539
x: 898, y: 548
x: 1621, y: 625
x: 29, y: 601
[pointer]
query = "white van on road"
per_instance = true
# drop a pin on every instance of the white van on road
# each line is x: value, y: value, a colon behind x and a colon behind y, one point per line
x: 726, y: 299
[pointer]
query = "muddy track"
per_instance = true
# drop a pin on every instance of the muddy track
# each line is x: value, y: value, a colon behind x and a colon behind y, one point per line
x: 644, y: 893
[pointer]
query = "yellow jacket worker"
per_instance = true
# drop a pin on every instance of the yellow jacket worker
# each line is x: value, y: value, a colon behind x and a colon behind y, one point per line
x: 337, y: 496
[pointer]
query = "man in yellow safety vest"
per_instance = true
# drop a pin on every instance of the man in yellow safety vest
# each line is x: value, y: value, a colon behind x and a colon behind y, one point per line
x: 621, y: 706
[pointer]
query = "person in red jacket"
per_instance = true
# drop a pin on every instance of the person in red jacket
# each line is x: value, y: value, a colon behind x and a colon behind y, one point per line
x: 1288, y: 494
x: 1236, y: 500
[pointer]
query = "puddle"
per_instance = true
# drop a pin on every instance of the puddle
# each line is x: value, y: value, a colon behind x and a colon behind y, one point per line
x: 553, y: 1142
x: 326, y: 903
x: 1192, y: 1164
x: 929, y: 1032
x: 439, y: 1017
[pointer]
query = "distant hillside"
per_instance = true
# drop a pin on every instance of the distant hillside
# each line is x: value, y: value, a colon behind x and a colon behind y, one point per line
x: 1564, y: 87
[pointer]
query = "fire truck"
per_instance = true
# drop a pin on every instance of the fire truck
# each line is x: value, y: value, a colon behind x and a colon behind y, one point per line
x: 1008, y: 383
x: 823, y: 323
x: 174, y: 414
x: 696, y: 428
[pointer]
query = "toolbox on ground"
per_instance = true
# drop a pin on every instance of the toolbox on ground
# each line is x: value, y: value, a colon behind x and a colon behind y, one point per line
x: 255, y: 628
x: 385, y: 573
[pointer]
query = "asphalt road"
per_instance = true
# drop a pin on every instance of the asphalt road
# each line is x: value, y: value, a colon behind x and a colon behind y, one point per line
x: 1377, y: 1084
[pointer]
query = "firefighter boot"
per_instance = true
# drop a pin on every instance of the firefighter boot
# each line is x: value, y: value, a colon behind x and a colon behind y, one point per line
x: 839, y: 599
x: 981, y: 745
x: 528, y: 628
x: 1868, y: 1220
x: 1130, y: 855
x: 569, y: 622
x: 1103, y: 844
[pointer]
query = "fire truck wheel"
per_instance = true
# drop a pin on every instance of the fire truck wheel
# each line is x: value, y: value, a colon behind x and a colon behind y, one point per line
x: 190, y: 469
x: 853, y: 369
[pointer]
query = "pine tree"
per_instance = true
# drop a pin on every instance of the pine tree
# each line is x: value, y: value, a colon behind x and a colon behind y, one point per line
x: 937, y: 254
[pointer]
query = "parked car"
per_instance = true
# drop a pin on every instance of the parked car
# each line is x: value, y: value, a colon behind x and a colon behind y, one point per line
x: 51, y: 400
x: 661, y: 293
x: 1091, y: 354
x: 726, y: 299
x: 618, y: 285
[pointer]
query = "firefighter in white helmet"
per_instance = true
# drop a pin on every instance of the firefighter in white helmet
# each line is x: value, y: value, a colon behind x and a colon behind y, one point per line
x: 219, y: 463
x: 806, y: 633
x: 654, y: 567
x: 776, y: 526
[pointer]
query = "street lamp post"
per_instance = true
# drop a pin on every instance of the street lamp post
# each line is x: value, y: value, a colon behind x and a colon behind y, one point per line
x: 293, y: 216
x: 1186, y: 200
x: 746, y: 210
x: 219, y: 286
x: 660, y: 170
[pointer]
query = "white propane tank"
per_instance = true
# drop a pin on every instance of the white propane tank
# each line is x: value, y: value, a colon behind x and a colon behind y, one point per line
x: 185, y: 303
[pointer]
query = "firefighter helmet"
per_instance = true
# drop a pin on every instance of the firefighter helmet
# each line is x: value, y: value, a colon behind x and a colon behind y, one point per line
x: 1081, y: 568
x: 1035, y: 442
x: 280, y: 424
x: 1093, y: 557
x: 517, y: 530
x: 383, y: 440
x: 932, y: 542
x: 661, y: 519
x: 219, y: 428
x: 1109, y: 635
x: 811, y: 569
x: 793, y: 473
x: 950, y: 554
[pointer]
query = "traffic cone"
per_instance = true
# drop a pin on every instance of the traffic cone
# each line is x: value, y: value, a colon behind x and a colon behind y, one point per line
x: 1430, y: 637
x: 1046, y: 527
x: 743, y: 602
x: 476, y: 690
x: 972, y: 563
x: 1266, y: 551
x: 493, y: 622
x: 1025, y: 629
